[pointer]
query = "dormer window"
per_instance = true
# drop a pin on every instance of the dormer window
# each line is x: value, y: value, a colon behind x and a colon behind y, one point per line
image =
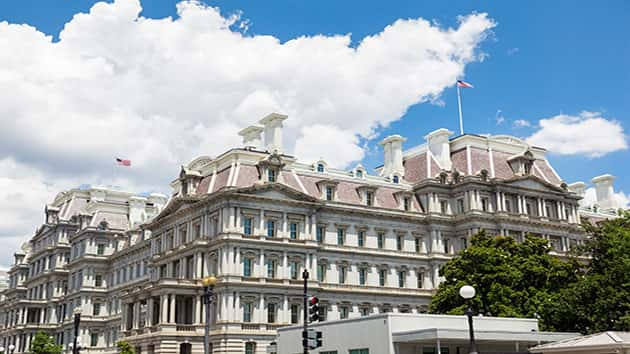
x: 367, y: 194
x: 369, y: 198
x: 522, y: 164
x: 406, y: 204
x: 330, y: 192
x: 271, y: 175
x: 359, y: 174
x: 396, y: 179
x: 320, y: 167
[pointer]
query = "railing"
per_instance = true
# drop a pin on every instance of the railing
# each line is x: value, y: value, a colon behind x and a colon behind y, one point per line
x: 250, y: 327
x: 273, y: 327
x: 185, y: 328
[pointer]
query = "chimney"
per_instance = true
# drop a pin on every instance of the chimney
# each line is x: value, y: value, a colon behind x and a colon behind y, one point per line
x: 604, y: 191
x: 252, y: 136
x: 438, y: 144
x: 137, y: 213
x: 393, y: 157
x: 273, y: 131
x: 578, y: 188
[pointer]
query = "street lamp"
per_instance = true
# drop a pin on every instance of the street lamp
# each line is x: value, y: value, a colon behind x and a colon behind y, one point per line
x: 208, y: 284
x: 77, y: 341
x: 468, y: 292
x: 11, y: 348
x: 1, y: 349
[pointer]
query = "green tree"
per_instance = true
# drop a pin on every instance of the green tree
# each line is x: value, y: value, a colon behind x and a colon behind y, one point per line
x: 600, y: 300
x: 44, y: 344
x: 511, y: 279
x: 125, y: 347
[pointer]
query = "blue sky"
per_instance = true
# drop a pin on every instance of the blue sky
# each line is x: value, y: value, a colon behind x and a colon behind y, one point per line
x: 163, y: 92
x: 545, y: 58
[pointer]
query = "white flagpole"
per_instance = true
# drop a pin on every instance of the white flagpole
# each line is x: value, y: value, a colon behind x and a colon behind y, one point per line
x: 459, y: 105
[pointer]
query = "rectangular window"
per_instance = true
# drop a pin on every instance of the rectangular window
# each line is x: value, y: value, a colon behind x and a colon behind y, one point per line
x: 342, y: 274
x: 369, y: 198
x: 271, y: 269
x: 247, y: 267
x: 399, y: 243
x: 447, y: 245
x: 343, y: 312
x: 321, y: 272
x: 294, y: 266
x: 96, y: 309
x: 407, y: 204
x: 341, y: 233
x: 247, y: 226
x: 247, y: 312
x: 460, y: 206
x: 380, y: 240
x: 362, y: 276
x: 295, y: 313
x: 271, y: 313
x: 293, y: 230
x: 420, y: 280
x: 361, y: 238
x: 250, y: 348
x: 382, y: 276
x: 359, y: 351
x: 508, y: 206
x: 319, y: 233
x: 100, y: 249
x: 98, y: 280
x: 365, y: 311
x: 330, y: 193
x: 401, y: 279
x: 271, y: 228
x: 417, y: 244
x: 484, y: 204
x: 93, y: 339
x: 443, y: 206
x: 464, y: 243
x: 271, y: 175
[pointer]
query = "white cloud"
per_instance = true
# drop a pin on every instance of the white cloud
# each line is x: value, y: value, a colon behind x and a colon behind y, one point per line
x: 587, y: 134
x: 499, y: 118
x: 519, y: 123
x: 621, y: 199
x: 163, y: 91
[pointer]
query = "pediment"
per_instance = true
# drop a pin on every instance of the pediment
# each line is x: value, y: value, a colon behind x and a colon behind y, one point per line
x: 534, y: 183
x: 276, y: 191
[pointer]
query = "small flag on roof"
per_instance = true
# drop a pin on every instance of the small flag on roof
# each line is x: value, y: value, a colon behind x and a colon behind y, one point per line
x: 464, y: 84
x: 122, y: 162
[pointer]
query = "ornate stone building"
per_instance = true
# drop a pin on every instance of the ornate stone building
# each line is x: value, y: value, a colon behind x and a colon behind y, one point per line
x: 256, y: 218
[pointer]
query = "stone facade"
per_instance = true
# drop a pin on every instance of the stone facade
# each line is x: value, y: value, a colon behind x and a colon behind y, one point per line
x: 256, y: 218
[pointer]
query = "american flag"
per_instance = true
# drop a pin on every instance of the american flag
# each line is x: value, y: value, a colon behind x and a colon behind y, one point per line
x: 122, y: 162
x: 464, y: 84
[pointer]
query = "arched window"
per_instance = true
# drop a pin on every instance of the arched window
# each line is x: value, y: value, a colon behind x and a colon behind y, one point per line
x: 359, y: 173
x: 320, y: 167
x: 395, y: 179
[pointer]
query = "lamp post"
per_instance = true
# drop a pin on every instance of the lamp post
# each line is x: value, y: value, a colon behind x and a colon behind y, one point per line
x: 1, y: 349
x: 77, y: 341
x: 208, y: 294
x: 11, y: 348
x: 468, y: 292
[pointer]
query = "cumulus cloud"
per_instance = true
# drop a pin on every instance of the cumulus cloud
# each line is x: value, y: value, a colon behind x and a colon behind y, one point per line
x: 163, y: 91
x: 519, y: 123
x: 621, y: 199
x: 587, y: 134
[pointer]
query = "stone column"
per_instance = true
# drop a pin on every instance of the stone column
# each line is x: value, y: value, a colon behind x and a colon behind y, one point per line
x: 285, y: 233
x: 261, y: 267
x: 284, y: 272
x: 197, y: 308
x: 172, y: 318
x: 261, y: 222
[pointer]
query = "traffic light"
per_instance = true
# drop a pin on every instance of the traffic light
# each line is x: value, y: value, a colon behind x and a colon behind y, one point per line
x: 313, y: 309
x: 311, y: 339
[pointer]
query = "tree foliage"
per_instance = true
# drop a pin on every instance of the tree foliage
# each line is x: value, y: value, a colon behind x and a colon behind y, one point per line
x: 600, y: 300
x: 511, y: 279
x: 589, y: 291
x: 124, y: 347
x: 43, y: 344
